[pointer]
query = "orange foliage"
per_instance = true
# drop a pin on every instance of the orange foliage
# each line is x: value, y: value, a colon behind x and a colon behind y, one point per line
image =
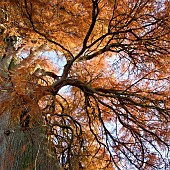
x: 115, y: 113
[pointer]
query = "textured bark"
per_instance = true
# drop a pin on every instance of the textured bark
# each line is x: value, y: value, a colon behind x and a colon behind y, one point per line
x: 25, y: 150
x: 21, y: 149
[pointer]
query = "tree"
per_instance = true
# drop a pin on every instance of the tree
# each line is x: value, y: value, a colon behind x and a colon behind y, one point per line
x: 109, y: 108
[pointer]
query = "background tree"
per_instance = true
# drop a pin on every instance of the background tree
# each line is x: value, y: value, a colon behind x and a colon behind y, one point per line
x: 114, y: 110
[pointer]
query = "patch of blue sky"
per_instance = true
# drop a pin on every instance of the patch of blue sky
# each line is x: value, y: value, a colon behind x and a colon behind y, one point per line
x: 115, y: 64
x: 56, y: 60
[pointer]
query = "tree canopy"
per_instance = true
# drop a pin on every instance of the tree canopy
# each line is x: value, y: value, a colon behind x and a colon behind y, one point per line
x: 106, y: 104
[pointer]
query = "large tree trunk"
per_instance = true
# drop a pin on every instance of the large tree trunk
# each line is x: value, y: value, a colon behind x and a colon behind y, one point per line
x: 21, y: 149
x: 25, y: 149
